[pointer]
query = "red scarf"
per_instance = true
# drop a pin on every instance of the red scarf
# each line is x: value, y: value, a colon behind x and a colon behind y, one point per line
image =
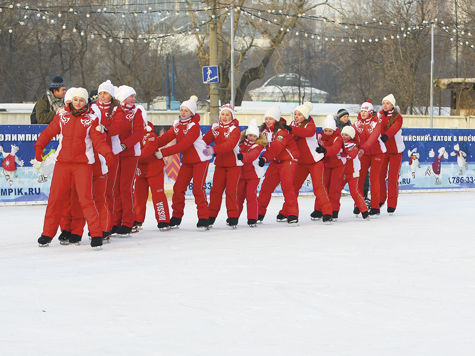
x: 103, y: 106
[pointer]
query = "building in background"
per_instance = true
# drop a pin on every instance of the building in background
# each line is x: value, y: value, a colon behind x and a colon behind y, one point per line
x: 288, y: 88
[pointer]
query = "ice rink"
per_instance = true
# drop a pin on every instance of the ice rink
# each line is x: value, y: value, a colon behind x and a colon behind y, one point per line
x: 396, y: 285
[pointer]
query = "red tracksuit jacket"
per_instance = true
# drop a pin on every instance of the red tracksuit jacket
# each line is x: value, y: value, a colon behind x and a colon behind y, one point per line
x: 369, y: 133
x: 334, y: 146
x: 281, y: 146
x: 306, y: 139
x: 250, y: 152
x: 78, y: 136
x: 127, y: 128
x: 353, y: 164
x: 226, y: 147
x: 394, y: 144
x: 189, y: 141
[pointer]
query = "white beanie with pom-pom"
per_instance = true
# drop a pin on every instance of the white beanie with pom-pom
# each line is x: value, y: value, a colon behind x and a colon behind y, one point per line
x: 390, y: 98
x: 252, y: 128
x: 273, y: 112
x: 106, y: 87
x: 191, y: 104
x: 123, y: 92
x: 349, y: 130
x: 329, y: 123
x: 69, y: 94
x: 304, y: 109
x: 80, y: 93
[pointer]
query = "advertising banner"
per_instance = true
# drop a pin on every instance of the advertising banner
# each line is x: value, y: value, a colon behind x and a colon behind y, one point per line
x: 433, y: 159
x: 22, y: 178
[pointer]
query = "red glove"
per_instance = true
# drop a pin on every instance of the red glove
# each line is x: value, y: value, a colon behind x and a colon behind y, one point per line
x: 39, y: 155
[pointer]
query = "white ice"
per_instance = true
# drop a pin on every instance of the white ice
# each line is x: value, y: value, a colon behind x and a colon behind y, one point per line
x: 396, y: 285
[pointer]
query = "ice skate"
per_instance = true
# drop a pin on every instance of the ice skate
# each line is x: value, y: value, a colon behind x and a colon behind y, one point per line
x: 316, y: 215
x: 260, y: 218
x: 96, y: 243
x: 44, y: 241
x: 281, y: 218
x: 356, y: 211
x: 293, y: 220
x: 391, y: 210
x: 64, y: 237
x: 203, y: 224
x: 75, y: 239
x: 124, y: 231
x: 374, y: 212
x: 175, y: 222
x: 106, y: 237
x: 252, y: 222
x: 163, y: 226
x: 327, y: 219
x: 232, y: 222
x: 211, y: 221
x: 365, y: 216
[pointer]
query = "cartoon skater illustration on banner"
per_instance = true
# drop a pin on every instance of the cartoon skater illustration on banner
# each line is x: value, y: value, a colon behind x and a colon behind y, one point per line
x: 437, y: 164
x: 46, y: 167
x: 413, y: 161
x: 461, y: 158
x: 9, y: 163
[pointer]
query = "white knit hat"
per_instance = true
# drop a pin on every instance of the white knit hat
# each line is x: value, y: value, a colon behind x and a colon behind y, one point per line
x: 79, y: 92
x: 123, y: 92
x: 107, y: 87
x: 273, y: 112
x: 389, y: 98
x: 68, y: 96
x: 252, y: 128
x: 367, y: 106
x: 349, y: 130
x: 304, y: 109
x: 329, y: 123
x: 190, y: 104
x: 228, y: 107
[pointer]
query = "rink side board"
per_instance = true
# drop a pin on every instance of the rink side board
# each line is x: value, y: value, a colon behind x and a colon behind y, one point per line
x: 441, y: 159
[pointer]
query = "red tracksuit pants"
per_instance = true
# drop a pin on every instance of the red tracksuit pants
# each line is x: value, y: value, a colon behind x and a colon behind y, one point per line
x: 64, y: 175
x: 375, y: 162
x: 322, y: 202
x: 160, y: 203
x: 247, y: 190
x: 124, y: 213
x: 197, y: 172
x: 332, y: 179
x: 283, y: 173
x: 224, y: 178
x: 355, y: 194
x: 393, y: 162
x: 73, y: 218
x: 112, y: 190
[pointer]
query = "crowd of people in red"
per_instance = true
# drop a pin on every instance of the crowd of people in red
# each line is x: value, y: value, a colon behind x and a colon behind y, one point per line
x: 109, y: 157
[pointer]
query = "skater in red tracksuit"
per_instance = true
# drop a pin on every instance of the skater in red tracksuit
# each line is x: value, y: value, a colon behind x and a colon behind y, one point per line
x: 77, y: 125
x: 105, y: 106
x: 391, y: 135
x: 352, y: 168
x: 368, y: 129
x: 282, y: 153
x: 332, y: 146
x: 150, y: 175
x: 225, y: 135
x: 195, y: 160
x: 126, y: 132
x: 250, y: 147
x: 310, y: 160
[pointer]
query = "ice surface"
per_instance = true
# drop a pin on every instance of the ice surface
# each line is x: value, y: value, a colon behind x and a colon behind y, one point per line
x: 396, y: 285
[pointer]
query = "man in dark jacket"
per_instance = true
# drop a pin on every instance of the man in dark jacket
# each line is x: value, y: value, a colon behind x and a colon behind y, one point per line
x: 342, y: 119
x: 45, y: 108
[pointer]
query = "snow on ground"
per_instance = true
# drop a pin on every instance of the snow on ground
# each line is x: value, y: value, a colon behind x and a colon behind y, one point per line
x: 396, y: 285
